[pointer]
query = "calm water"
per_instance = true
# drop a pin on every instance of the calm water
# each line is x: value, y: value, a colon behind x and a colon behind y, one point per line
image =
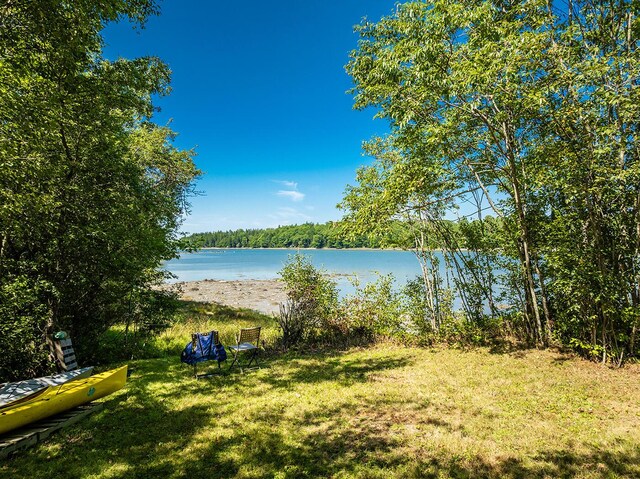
x: 232, y: 264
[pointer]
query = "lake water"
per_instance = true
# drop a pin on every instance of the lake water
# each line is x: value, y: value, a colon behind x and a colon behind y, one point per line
x: 238, y: 264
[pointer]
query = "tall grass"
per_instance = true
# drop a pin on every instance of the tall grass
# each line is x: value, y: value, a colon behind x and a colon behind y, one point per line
x: 203, y: 317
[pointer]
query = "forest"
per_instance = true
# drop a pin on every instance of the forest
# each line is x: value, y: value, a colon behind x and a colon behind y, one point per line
x: 307, y: 235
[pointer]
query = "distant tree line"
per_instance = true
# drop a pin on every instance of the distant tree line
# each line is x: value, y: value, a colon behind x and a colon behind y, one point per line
x: 309, y: 235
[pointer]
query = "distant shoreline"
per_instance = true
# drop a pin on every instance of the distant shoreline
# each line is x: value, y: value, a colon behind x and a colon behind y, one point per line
x: 303, y: 249
x: 434, y: 250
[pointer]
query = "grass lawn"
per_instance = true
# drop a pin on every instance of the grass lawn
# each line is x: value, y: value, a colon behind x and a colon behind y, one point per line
x: 385, y: 411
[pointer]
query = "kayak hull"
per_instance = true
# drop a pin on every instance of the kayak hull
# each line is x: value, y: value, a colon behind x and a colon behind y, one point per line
x: 11, y: 393
x: 57, y: 399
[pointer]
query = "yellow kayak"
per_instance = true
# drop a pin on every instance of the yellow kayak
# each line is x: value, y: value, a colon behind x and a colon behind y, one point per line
x: 22, y: 391
x: 57, y: 399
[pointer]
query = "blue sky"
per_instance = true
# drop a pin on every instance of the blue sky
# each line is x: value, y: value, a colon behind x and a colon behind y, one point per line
x: 259, y: 90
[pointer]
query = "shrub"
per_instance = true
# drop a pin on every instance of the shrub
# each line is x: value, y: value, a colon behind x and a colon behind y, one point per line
x: 23, y: 328
x: 292, y: 323
x: 373, y: 311
x: 150, y: 313
x: 312, y: 300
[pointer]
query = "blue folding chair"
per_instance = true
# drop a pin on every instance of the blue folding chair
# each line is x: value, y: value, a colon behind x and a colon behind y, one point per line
x: 203, y: 347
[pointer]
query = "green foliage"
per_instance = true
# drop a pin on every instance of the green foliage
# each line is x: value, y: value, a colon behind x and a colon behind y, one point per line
x: 458, y: 331
x: 522, y: 109
x: 587, y: 349
x: 92, y: 192
x: 312, y: 300
x: 416, y: 306
x: 307, y: 235
x: 453, y: 328
x: 156, y: 310
x: 373, y: 312
x: 24, y: 322
x: 376, y: 311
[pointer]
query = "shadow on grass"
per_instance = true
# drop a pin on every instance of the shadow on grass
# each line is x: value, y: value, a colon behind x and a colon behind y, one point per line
x: 367, y: 449
x: 520, y: 350
x: 168, y: 425
x: 512, y: 348
x: 595, y: 462
x: 323, y: 367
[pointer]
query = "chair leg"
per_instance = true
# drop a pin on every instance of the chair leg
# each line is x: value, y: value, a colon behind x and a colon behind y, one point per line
x: 235, y: 359
x: 253, y: 356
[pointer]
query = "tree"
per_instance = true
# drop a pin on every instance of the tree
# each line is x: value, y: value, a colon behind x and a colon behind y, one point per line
x: 534, y: 109
x: 91, y: 191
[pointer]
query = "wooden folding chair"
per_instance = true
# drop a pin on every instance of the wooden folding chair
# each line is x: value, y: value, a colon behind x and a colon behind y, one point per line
x: 247, y: 342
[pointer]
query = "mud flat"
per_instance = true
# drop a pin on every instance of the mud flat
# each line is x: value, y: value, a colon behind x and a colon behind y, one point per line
x: 260, y: 295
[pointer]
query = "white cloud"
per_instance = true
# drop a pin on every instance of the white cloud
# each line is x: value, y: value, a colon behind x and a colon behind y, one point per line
x: 291, y: 194
x: 289, y: 184
x: 289, y: 216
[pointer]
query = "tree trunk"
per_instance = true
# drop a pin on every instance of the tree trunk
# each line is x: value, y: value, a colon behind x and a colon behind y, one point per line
x: 525, y: 255
x: 545, y: 304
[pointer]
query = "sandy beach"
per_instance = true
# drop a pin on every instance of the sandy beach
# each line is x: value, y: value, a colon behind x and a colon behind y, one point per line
x: 260, y: 295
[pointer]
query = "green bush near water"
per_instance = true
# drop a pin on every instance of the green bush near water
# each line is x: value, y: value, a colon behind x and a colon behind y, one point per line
x: 375, y: 311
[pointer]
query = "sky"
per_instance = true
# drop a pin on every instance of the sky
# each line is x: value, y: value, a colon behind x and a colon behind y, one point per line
x: 259, y: 91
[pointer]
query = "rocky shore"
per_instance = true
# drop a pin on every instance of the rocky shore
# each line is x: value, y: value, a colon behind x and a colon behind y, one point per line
x: 260, y: 295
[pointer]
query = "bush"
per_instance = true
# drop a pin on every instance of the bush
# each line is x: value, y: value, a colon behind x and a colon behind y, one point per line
x: 23, y: 329
x: 151, y: 313
x: 312, y: 300
x: 416, y: 307
x: 373, y: 311
x: 292, y: 322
